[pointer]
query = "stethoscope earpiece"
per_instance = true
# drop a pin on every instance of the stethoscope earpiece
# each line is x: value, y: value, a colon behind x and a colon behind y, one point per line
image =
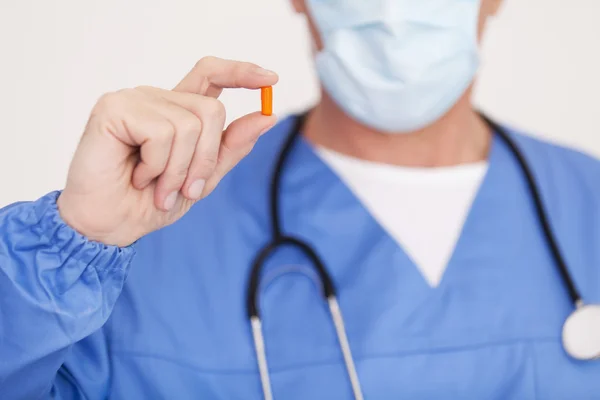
x: 581, y: 333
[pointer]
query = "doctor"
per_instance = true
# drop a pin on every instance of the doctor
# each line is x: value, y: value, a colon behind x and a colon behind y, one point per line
x: 399, y: 202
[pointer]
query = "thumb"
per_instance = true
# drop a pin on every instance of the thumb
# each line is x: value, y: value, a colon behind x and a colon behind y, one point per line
x: 238, y: 140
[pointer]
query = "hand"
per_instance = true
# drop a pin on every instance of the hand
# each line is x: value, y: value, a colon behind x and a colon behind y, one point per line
x: 148, y: 154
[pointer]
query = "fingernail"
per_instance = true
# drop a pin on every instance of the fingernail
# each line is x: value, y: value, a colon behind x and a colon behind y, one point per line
x: 264, y: 72
x: 170, y: 201
x: 196, y: 188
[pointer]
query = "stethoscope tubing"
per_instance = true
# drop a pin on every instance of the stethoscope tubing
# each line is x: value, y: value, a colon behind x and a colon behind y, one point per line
x: 279, y: 240
x: 542, y: 214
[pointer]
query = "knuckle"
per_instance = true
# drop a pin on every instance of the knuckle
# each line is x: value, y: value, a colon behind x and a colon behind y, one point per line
x: 108, y: 101
x: 244, y: 68
x: 127, y: 93
x: 206, y: 62
x: 246, y: 150
x: 114, y: 101
x: 164, y: 132
x: 236, y: 154
x: 189, y: 126
x: 240, y: 71
x: 225, y: 152
x: 154, y: 168
x: 177, y: 173
x: 205, y: 164
x: 214, y: 109
x: 144, y: 88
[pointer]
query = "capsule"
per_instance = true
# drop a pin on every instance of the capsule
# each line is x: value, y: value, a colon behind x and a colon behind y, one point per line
x: 266, y: 95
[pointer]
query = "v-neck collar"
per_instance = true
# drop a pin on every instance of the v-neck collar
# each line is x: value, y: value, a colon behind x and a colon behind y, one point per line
x: 349, y: 223
x: 499, y: 257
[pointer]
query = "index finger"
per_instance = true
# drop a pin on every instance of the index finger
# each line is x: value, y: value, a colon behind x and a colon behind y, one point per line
x: 211, y: 75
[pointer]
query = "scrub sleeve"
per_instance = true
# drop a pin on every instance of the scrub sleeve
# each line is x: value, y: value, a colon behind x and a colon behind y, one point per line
x: 56, y: 288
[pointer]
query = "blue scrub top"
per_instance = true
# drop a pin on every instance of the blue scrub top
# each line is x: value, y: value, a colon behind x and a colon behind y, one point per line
x: 165, y: 318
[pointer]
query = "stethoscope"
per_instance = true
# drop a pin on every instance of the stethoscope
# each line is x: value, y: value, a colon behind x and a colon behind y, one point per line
x: 581, y: 330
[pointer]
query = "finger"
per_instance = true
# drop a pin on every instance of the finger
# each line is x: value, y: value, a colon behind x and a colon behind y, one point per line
x: 154, y: 151
x: 136, y: 124
x: 211, y: 75
x: 192, y: 102
x: 238, y: 140
x: 207, y: 150
x: 187, y: 127
x: 212, y: 114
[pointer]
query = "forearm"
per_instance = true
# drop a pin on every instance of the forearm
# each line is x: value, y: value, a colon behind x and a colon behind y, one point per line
x: 56, y: 288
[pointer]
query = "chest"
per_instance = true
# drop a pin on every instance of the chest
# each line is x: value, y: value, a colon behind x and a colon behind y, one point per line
x: 490, y: 330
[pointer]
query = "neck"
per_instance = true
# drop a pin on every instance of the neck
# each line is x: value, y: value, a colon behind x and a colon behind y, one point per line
x: 459, y: 137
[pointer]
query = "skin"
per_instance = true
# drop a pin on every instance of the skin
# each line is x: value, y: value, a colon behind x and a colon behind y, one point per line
x: 459, y: 137
x: 148, y: 154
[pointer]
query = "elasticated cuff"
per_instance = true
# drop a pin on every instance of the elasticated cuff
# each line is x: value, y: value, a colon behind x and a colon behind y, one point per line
x: 45, y: 222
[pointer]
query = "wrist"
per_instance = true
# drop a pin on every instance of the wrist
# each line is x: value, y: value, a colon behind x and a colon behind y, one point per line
x: 78, y: 218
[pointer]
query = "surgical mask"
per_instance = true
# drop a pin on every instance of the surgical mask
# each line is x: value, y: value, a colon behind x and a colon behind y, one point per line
x: 396, y: 65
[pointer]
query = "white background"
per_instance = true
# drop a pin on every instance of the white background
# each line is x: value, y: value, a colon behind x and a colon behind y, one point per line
x: 541, y: 68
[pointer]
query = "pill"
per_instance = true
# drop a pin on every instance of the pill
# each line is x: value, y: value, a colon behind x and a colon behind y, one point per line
x: 266, y: 95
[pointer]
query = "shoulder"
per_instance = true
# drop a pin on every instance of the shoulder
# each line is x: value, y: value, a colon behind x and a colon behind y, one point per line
x: 569, y: 182
x: 552, y: 160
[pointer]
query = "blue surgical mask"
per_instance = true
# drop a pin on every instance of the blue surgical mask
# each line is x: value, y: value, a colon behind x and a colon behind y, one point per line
x: 396, y: 65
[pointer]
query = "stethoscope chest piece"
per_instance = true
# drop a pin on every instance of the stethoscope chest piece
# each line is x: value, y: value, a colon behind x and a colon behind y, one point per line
x: 581, y: 333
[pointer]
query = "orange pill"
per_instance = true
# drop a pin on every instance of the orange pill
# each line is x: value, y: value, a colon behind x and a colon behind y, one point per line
x: 266, y: 95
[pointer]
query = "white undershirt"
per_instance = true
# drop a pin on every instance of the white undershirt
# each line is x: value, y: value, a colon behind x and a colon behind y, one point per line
x: 422, y: 209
